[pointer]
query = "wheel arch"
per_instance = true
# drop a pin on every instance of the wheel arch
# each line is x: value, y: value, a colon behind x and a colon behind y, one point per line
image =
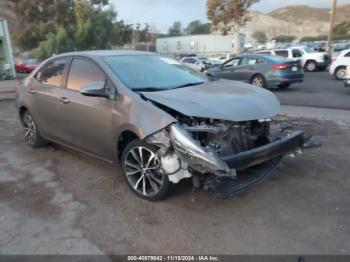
x: 255, y: 75
x: 339, y: 67
x: 310, y: 60
x: 22, y: 109
x: 123, y: 139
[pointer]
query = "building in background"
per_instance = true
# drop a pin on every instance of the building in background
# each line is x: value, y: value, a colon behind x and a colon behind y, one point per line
x: 142, y: 46
x: 201, y: 45
x: 7, y: 69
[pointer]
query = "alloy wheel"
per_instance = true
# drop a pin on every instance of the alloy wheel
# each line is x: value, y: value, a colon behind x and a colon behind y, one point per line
x: 311, y: 67
x: 258, y: 81
x: 341, y: 73
x: 141, y: 166
x: 29, y: 128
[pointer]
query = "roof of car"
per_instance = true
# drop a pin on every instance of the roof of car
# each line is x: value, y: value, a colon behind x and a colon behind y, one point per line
x: 106, y: 53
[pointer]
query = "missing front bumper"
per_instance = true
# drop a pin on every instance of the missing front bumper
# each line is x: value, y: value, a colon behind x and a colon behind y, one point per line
x: 257, y: 164
x: 279, y: 147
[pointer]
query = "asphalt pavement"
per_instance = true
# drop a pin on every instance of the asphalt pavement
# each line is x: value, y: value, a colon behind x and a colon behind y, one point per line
x: 319, y: 89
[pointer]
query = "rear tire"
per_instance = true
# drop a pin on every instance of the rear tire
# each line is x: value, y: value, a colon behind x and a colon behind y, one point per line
x: 258, y: 81
x: 141, y: 168
x: 31, y: 131
x: 284, y: 85
x: 340, y: 73
x: 311, y: 66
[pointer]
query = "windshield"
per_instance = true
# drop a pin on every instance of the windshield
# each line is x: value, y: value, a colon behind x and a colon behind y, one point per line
x: 309, y: 50
x: 149, y: 72
x: 30, y: 61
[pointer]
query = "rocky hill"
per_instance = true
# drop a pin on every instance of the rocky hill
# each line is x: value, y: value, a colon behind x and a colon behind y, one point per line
x: 299, y: 13
x: 298, y: 20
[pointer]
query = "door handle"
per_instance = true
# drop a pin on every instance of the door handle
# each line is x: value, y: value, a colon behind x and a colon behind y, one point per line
x: 64, y: 100
x: 32, y: 91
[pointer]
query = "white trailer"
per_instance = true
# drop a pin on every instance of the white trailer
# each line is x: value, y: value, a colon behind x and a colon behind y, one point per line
x: 7, y: 67
x: 201, y: 45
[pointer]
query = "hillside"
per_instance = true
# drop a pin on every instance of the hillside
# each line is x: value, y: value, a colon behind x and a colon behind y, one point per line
x: 298, y: 20
x: 299, y: 13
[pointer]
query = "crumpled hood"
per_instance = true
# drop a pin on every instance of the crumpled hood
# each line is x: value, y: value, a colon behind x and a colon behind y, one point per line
x: 223, y: 99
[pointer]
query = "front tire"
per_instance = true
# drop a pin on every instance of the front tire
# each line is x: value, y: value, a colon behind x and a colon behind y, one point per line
x: 311, y: 66
x: 340, y: 73
x: 141, y: 167
x: 31, y: 131
x: 258, y: 81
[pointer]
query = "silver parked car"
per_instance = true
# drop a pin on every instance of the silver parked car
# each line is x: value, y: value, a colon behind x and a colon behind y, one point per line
x: 162, y: 121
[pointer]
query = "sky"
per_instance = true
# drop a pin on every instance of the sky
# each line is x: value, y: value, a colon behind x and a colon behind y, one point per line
x: 161, y: 14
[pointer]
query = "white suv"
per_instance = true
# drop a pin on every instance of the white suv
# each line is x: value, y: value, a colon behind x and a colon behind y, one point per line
x: 309, y: 58
x: 338, y: 67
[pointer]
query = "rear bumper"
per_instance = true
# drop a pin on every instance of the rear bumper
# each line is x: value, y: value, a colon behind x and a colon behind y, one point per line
x: 282, y: 146
x: 285, y: 80
x: 292, y: 81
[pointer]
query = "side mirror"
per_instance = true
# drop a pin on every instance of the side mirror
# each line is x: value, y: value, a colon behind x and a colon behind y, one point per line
x: 95, y: 89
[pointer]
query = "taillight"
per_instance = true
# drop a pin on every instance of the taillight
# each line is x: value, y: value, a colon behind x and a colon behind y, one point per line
x: 280, y: 66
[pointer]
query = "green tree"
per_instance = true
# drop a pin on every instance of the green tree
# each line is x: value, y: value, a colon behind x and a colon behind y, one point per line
x: 314, y: 38
x: 122, y: 33
x: 37, y: 18
x: 197, y: 27
x: 175, y: 29
x: 284, y: 38
x: 229, y: 13
x: 141, y: 34
x: 93, y: 30
x: 55, y: 43
x: 260, y: 37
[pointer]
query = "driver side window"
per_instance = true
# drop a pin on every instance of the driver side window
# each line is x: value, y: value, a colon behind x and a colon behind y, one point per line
x: 83, y: 72
x: 233, y: 62
x: 297, y: 53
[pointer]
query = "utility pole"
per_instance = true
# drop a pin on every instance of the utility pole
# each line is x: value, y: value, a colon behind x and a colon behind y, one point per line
x: 331, y: 28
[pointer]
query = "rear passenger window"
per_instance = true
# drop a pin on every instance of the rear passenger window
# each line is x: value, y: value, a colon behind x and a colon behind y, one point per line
x: 249, y: 61
x: 283, y: 53
x: 296, y: 53
x: 52, y: 73
x: 83, y: 72
x: 347, y: 54
x: 190, y: 60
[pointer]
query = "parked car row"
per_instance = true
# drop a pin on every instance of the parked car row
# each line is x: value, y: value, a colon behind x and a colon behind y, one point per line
x: 265, y: 68
x: 310, y: 60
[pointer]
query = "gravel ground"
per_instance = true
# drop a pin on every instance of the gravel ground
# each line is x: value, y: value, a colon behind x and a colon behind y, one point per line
x: 57, y: 201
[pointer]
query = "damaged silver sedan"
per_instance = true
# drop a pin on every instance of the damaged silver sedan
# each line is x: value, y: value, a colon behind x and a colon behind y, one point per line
x: 161, y: 121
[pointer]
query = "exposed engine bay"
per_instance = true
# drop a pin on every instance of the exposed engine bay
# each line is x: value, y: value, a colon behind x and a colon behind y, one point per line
x: 202, y: 147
